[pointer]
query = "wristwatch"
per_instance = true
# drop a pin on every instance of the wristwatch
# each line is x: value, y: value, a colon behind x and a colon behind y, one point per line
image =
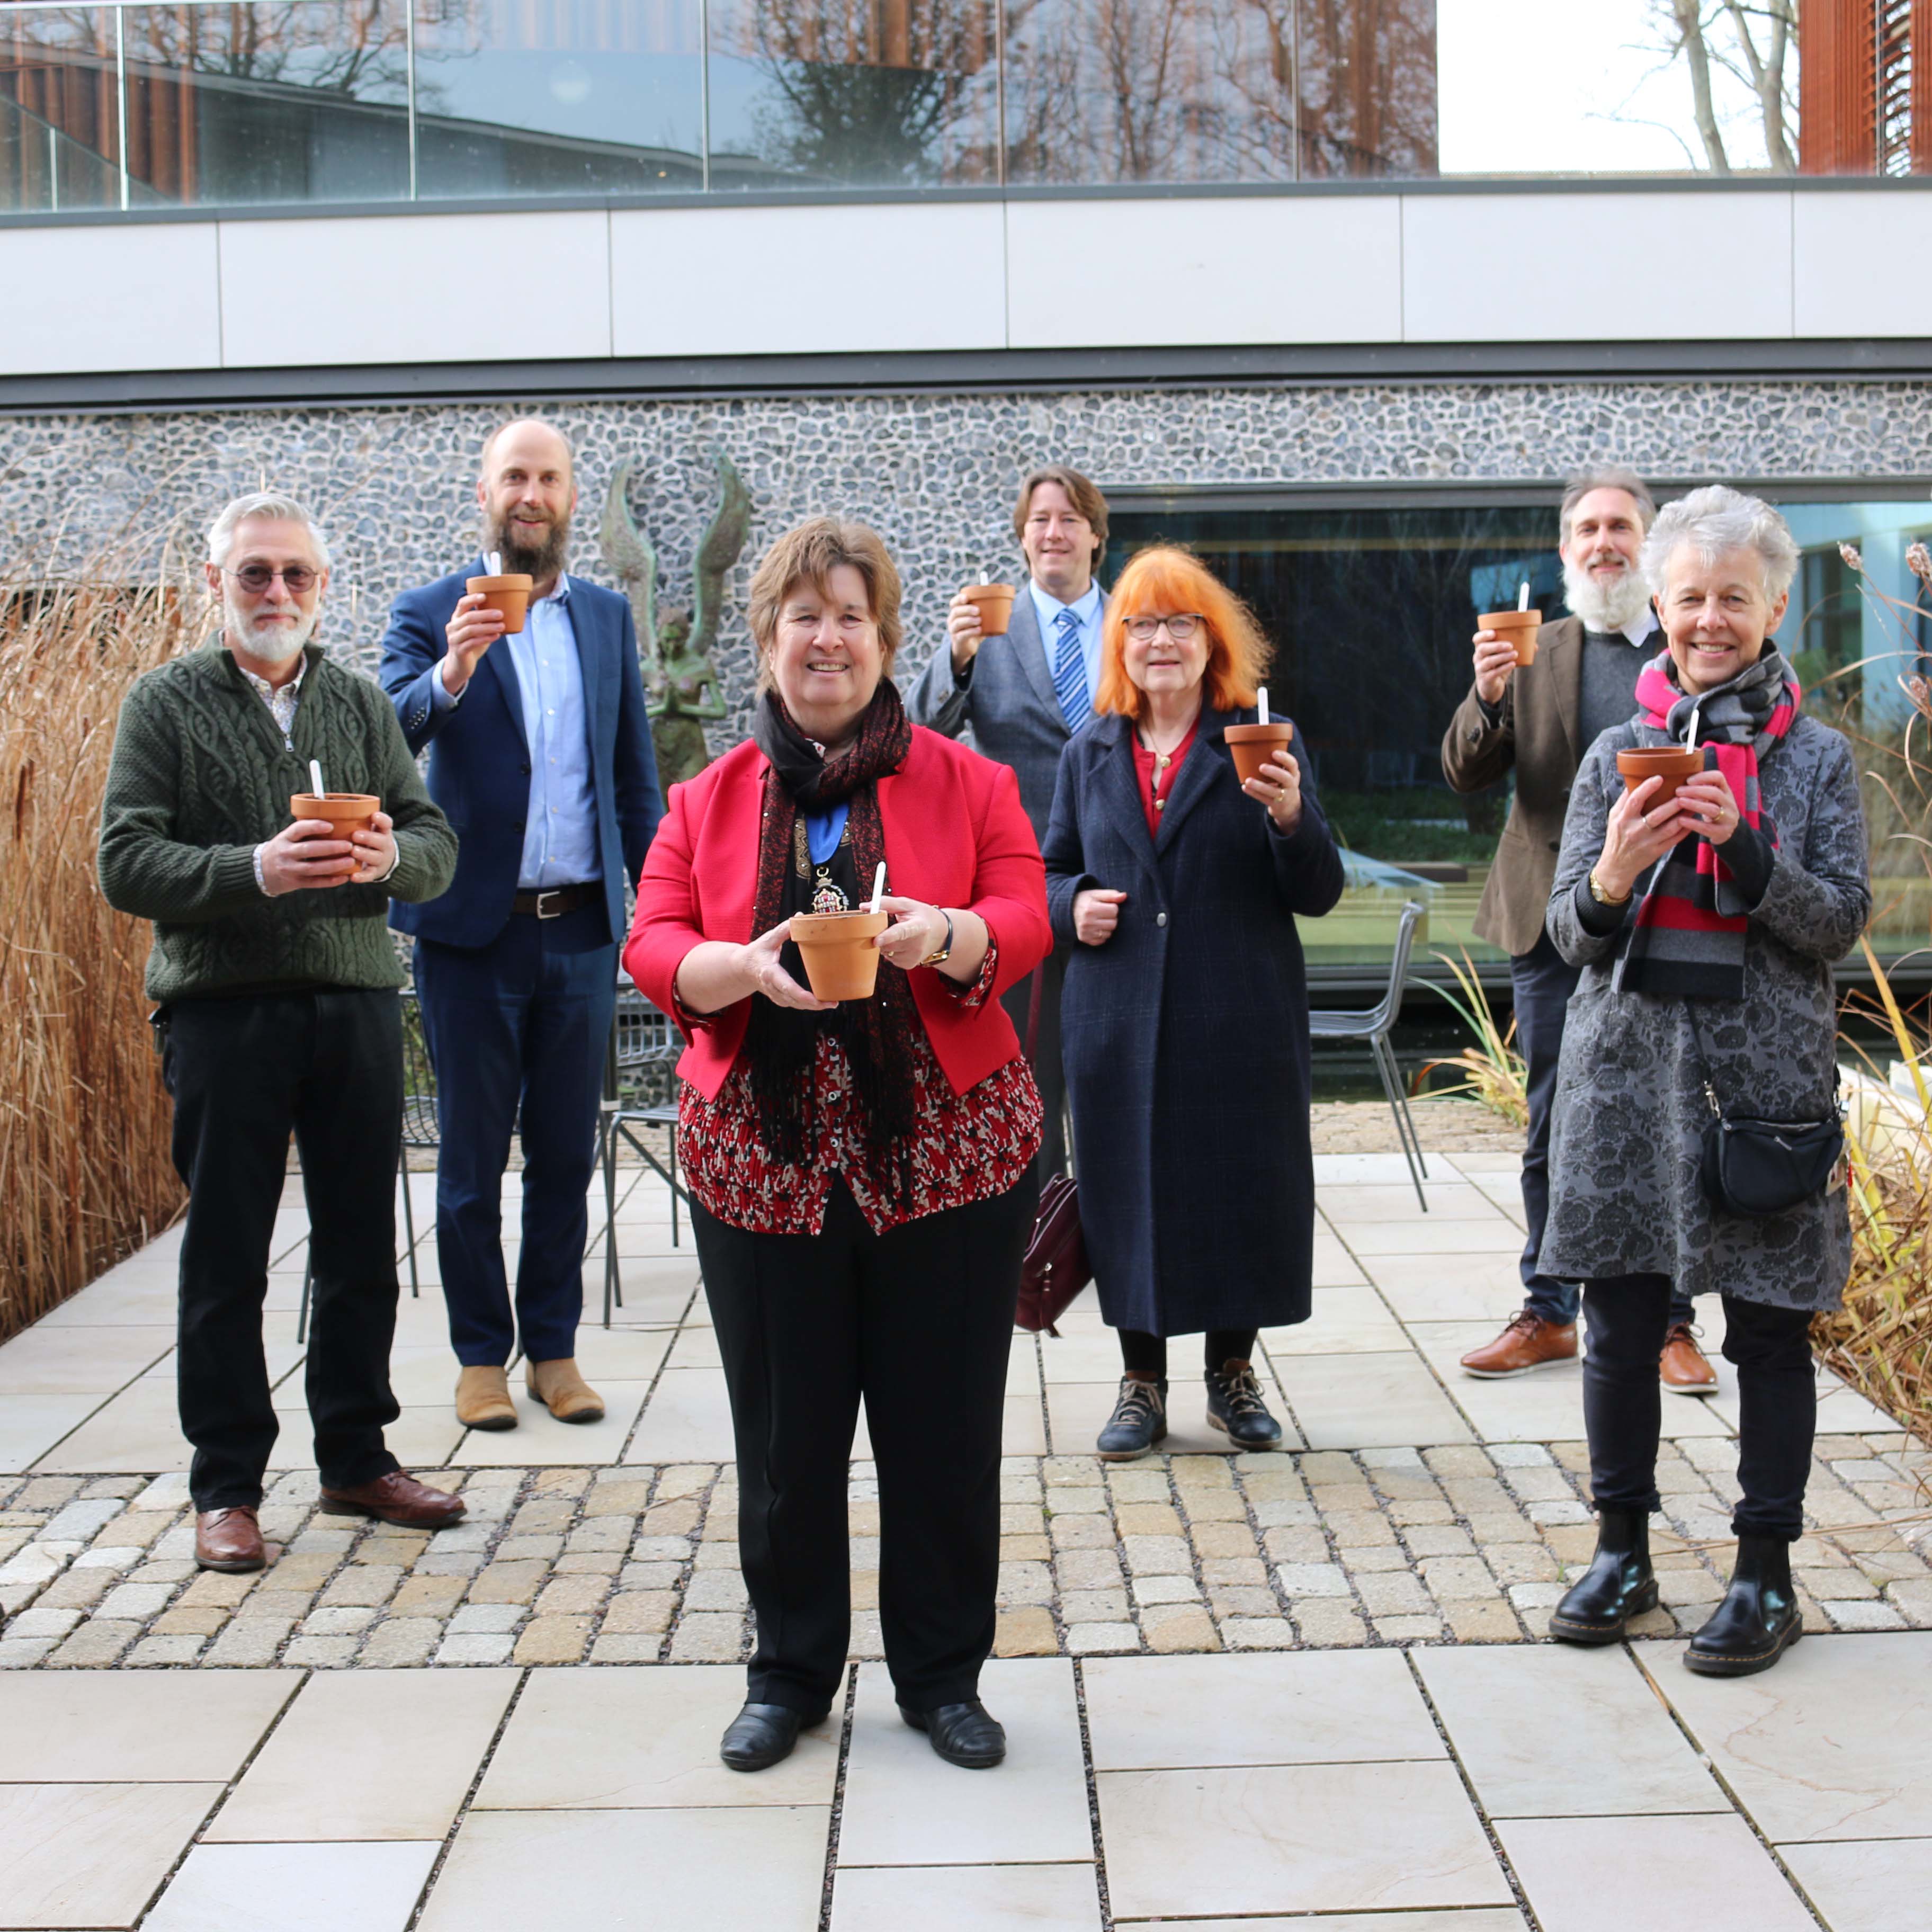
x: 945, y: 950
x: 1602, y: 898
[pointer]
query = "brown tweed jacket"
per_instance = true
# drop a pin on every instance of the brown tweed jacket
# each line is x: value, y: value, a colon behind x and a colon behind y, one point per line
x: 1537, y: 734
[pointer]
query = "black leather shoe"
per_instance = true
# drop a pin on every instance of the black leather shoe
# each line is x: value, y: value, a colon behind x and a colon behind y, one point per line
x: 963, y: 1734
x: 1758, y: 1620
x: 1617, y: 1585
x: 1139, y: 1420
x: 1235, y: 1407
x: 762, y: 1735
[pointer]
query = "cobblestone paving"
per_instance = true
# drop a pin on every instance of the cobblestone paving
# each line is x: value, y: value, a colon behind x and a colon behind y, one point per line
x: 627, y: 1565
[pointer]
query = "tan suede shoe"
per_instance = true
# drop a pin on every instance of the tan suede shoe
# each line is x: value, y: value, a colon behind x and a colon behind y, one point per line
x: 483, y: 1399
x: 562, y: 1391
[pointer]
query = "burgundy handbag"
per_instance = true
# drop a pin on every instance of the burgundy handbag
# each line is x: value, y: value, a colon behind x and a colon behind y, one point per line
x: 1055, y: 1270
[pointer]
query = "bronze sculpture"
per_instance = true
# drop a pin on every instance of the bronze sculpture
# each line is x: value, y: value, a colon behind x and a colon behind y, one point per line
x: 681, y: 684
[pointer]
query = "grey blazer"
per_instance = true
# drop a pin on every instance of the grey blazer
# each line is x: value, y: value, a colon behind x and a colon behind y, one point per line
x: 1008, y: 700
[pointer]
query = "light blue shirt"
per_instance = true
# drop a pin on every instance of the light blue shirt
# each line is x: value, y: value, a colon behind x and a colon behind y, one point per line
x: 560, y: 829
x: 1048, y: 608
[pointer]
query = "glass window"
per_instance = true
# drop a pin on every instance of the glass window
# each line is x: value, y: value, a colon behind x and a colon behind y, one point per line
x: 577, y: 97
x: 1207, y: 90
x: 59, y: 115
x: 1371, y: 606
x: 854, y: 93
x: 287, y: 101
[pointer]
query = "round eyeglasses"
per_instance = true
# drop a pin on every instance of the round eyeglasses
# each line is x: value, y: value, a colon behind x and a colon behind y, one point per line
x: 1142, y: 629
x: 255, y: 577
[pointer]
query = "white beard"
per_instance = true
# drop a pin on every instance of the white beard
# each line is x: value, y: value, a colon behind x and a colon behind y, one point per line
x: 1604, y: 607
x: 277, y: 644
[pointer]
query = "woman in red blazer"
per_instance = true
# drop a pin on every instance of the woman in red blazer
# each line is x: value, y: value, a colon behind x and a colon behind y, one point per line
x: 860, y: 1173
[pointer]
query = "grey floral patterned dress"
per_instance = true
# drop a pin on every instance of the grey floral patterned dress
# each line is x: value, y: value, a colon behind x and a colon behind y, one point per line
x: 1627, y: 1125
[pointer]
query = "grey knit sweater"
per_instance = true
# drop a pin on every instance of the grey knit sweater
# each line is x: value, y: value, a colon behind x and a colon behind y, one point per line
x: 201, y: 775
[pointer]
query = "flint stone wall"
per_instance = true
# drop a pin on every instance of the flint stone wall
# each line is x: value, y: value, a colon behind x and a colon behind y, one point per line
x: 394, y: 485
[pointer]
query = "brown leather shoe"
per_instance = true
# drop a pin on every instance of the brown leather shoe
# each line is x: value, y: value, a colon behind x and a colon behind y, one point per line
x: 483, y: 1399
x: 229, y: 1539
x: 563, y: 1391
x: 1682, y: 1368
x: 1529, y: 1342
x: 395, y: 1497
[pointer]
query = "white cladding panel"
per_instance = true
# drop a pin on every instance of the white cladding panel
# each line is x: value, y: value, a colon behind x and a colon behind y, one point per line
x: 1685, y: 265
x: 1862, y: 264
x: 1196, y: 271
x: 416, y: 288
x: 109, y: 297
x: 800, y: 281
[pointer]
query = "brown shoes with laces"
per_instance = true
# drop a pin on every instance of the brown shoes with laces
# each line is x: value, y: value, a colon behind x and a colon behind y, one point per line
x: 563, y: 1391
x: 397, y: 1498
x: 1682, y: 1368
x: 229, y: 1540
x: 1529, y: 1342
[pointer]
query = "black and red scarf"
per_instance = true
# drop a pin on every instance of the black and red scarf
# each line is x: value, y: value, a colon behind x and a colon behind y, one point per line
x: 1687, y: 939
x: 781, y: 1043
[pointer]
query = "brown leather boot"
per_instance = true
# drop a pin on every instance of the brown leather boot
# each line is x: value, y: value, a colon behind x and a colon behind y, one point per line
x: 229, y: 1540
x: 483, y: 1399
x: 563, y: 1391
x: 396, y: 1498
x: 1682, y: 1368
x: 1529, y: 1342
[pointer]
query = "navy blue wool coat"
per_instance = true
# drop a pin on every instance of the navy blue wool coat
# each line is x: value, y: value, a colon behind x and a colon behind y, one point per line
x: 1186, y: 1035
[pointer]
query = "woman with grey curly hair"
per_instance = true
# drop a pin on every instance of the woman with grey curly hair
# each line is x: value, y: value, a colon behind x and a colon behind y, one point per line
x: 1706, y: 925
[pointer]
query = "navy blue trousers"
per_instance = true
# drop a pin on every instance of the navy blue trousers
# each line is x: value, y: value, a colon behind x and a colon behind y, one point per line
x: 521, y: 1023
x: 1542, y: 981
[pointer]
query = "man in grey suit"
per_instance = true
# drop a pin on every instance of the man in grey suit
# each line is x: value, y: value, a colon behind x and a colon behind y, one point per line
x: 1024, y: 694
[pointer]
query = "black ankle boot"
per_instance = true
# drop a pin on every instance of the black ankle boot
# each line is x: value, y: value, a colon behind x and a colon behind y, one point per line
x: 1235, y: 1407
x: 1139, y: 1420
x: 1617, y: 1585
x: 1758, y: 1620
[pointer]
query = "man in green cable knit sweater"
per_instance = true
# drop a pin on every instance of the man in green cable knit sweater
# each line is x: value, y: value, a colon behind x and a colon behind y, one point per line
x: 277, y: 983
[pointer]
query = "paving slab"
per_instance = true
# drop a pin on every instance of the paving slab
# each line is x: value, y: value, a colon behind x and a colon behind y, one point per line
x: 294, y: 1887
x: 91, y: 1855
x: 966, y: 1898
x: 72, y: 1726
x: 1881, y: 1884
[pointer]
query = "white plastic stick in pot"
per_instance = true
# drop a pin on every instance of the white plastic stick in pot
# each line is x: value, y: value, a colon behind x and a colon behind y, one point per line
x: 1261, y: 703
x: 878, y: 887
x: 495, y: 563
x: 1690, y: 732
x: 1523, y: 597
x: 315, y: 777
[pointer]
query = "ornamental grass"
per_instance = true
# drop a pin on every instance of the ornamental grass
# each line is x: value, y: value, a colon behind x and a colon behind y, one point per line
x: 85, y: 1172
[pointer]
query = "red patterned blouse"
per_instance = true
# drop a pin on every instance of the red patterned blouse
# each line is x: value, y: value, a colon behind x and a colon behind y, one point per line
x: 966, y: 1147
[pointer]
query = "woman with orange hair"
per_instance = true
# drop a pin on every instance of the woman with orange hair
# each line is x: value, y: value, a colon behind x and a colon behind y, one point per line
x: 1185, y: 1020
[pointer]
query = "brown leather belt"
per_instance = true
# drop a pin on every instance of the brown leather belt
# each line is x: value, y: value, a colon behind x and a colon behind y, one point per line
x: 557, y: 901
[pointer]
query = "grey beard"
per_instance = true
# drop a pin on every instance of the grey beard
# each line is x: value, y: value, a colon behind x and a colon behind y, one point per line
x: 546, y: 560
x: 1604, y: 607
x: 277, y: 646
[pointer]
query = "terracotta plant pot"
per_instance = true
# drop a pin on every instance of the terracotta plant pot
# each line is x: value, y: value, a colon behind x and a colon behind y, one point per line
x: 996, y: 607
x: 1254, y: 745
x: 1520, y: 628
x: 508, y: 596
x: 841, y: 962
x: 1671, y: 763
x: 348, y: 812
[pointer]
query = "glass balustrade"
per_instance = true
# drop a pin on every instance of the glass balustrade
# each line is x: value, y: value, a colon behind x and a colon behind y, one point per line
x: 230, y: 103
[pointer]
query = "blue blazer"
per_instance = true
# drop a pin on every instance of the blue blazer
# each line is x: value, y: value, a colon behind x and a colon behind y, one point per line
x: 479, y: 764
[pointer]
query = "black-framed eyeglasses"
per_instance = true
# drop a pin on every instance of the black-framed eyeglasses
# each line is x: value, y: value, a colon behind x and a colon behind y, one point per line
x: 1180, y: 628
x: 255, y: 577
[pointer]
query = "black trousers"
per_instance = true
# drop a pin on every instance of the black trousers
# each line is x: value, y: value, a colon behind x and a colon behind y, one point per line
x: 1048, y: 1074
x: 245, y: 1073
x: 1144, y: 1354
x: 919, y: 1322
x: 1770, y: 1349
x: 1541, y: 982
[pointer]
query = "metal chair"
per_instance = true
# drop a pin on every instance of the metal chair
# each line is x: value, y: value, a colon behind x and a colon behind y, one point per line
x: 1374, y: 1028
x: 641, y: 1040
x: 420, y: 1133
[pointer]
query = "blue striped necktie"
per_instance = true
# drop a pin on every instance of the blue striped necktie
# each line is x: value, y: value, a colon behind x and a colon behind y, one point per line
x: 1069, y: 673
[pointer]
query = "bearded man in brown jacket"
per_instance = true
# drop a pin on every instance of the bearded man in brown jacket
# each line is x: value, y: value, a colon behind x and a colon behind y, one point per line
x: 1539, y: 721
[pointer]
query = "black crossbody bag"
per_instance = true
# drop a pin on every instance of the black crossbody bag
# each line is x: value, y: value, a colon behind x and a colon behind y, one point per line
x: 1756, y: 1167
